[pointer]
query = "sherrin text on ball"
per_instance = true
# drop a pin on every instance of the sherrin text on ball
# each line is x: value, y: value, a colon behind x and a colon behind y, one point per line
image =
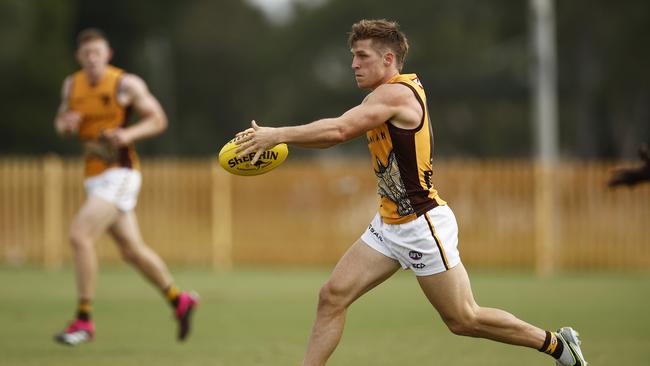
x: 268, y: 160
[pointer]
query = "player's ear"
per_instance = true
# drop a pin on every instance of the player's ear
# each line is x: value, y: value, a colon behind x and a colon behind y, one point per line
x: 110, y: 54
x: 389, y: 58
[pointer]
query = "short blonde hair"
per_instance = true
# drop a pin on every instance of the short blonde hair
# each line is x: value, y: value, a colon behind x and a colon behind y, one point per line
x: 90, y: 34
x: 383, y: 32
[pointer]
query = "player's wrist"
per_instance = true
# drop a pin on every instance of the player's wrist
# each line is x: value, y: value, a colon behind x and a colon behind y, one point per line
x: 129, y: 136
x: 280, y: 135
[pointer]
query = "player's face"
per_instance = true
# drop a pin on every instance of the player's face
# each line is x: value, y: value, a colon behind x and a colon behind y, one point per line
x: 368, y: 65
x: 93, y: 56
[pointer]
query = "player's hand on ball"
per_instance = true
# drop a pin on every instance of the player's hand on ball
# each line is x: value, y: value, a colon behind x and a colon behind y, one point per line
x: 253, y: 152
x: 256, y: 140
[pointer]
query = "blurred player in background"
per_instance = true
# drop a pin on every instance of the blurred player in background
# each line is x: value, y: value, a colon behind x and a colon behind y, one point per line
x: 414, y: 227
x: 632, y: 176
x: 94, y: 106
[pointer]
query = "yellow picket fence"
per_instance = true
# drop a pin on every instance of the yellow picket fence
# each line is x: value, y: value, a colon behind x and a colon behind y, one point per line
x: 308, y: 213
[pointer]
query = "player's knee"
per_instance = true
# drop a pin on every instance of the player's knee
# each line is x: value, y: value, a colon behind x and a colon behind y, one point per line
x: 462, y: 327
x: 127, y: 254
x: 331, y: 296
x: 79, y: 240
x: 463, y: 324
x: 459, y: 328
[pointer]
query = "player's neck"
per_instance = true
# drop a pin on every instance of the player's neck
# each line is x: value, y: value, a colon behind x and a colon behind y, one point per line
x: 94, y: 77
x: 385, y: 79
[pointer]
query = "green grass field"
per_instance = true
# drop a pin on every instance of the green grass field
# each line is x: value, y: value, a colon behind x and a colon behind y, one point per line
x: 263, y: 316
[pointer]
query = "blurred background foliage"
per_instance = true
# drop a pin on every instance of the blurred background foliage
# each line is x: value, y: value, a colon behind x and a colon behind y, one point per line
x: 215, y: 65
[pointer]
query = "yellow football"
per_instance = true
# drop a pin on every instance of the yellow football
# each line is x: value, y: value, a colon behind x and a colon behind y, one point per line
x: 269, y: 160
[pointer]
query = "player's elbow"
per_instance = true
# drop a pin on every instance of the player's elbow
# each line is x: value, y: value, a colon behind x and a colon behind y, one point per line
x: 341, y: 134
x: 348, y: 127
x: 161, y: 122
x: 334, y: 138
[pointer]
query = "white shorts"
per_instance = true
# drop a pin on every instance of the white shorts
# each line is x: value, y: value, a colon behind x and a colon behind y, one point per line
x: 428, y: 244
x: 119, y: 186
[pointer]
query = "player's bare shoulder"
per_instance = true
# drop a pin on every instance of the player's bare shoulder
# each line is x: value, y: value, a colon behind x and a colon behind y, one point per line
x: 392, y: 94
x: 131, y: 88
x: 134, y: 92
x: 407, y: 111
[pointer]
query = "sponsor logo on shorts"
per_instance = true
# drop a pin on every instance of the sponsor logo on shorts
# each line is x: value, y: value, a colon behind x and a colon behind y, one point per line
x: 415, y: 255
x: 418, y: 265
x: 375, y: 233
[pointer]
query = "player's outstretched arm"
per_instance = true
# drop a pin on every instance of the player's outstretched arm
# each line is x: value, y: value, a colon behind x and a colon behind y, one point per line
x: 153, y: 119
x: 633, y: 176
x: 386, y: 102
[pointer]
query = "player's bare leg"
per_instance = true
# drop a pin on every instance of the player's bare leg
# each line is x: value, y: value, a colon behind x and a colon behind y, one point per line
x: 91, y: 220
x: 126, y: 232
x: 358, y: 271
x: 450, y: 293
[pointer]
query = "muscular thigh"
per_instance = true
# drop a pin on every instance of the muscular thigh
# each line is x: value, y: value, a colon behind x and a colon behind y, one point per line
x: 95, y: 216
x: 449, y: 292
x: 125, y: 230
x: 359, y: 270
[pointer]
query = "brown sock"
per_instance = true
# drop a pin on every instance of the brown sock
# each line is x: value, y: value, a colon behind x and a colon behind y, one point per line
x: 84, y: 309
x: 171, y: 293
x: 552, y: 345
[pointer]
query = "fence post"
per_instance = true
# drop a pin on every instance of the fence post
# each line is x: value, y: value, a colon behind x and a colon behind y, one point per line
x: 545, y: 219
x: 52, y: 212
x: 221, y: 193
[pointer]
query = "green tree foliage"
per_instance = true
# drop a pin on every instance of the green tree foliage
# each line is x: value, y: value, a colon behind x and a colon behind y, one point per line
x: 35, y: 53
x: 604, y: 76
x: 215, y: 65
